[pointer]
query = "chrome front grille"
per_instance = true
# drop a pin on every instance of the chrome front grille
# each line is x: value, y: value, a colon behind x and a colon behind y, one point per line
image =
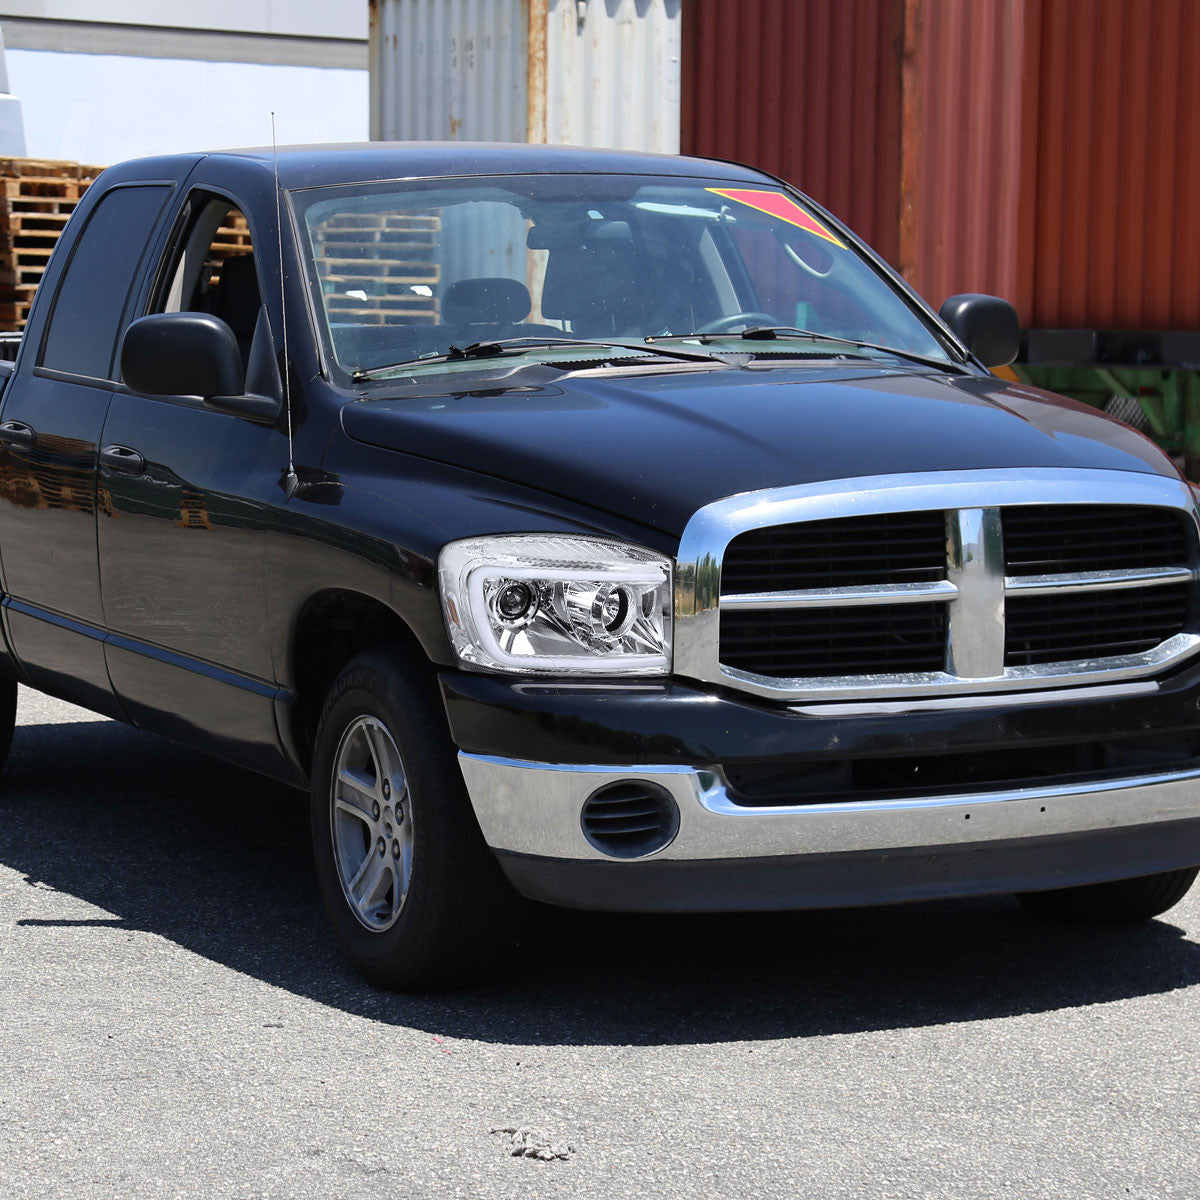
x: 847, y: 552
x: 1043, y: 539
x: 850, y: 556
x: 822, y: 642
x: 965, y: 581
x: 1073, y: 625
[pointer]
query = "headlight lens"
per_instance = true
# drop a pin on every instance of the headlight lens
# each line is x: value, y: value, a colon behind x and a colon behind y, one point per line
x: 557, y: 604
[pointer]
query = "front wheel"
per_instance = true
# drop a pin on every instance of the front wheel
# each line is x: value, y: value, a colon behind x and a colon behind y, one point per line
x: 1121, y: 901
x: 413, y: 894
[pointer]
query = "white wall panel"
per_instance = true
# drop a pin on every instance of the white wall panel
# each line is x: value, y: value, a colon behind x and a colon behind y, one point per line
x: 101, y: 109
x: 307, y: 18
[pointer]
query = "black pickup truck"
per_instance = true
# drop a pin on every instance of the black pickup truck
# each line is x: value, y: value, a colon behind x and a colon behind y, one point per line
x: 613, y: 530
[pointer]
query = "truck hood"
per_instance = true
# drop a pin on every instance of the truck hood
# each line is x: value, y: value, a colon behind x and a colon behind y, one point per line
x: 654, y: 447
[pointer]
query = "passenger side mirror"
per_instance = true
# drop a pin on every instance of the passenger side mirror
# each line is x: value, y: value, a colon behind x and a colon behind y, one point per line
x: 197, y: 354
x: 986, y: 325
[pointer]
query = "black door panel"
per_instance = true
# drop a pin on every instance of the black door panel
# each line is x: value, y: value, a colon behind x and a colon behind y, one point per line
x: 183, y: 568
x: 50, y: 425
x: 48, y: 503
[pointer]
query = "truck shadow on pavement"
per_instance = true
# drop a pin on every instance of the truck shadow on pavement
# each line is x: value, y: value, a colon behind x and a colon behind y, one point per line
x: 217, y: 860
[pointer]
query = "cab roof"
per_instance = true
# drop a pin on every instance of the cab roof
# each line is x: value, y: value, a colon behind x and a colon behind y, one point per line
x: 366, y: 162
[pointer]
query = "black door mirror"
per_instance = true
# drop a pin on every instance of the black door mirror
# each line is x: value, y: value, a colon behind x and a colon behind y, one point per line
x: 197, y: 354
x: 986, y: 325
x: 182, y: 354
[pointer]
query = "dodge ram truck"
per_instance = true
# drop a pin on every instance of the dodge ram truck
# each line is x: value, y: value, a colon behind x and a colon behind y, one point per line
x: 610, y: 530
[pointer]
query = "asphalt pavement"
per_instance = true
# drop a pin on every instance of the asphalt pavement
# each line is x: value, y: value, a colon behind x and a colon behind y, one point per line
x: 175, y: 1021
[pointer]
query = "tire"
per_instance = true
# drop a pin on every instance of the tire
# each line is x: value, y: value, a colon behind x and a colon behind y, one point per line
x: 1124, y: 900
x: 8, y: 716
x: 415, y: 897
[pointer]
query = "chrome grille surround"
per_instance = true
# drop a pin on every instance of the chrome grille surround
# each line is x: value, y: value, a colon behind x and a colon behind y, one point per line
x: 974, y: 590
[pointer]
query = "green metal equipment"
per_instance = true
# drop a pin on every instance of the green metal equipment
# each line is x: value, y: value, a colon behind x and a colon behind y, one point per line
x: 1148, y: 380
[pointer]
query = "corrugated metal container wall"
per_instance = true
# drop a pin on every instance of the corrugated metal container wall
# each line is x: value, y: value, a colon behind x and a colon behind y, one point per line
x: 630, y: 52
x: 1117, y: 186
x: 1044, y: 150
x: 594, y: 74
x: 448, y: 69
x: 808, y: 91
x: 962, y: 148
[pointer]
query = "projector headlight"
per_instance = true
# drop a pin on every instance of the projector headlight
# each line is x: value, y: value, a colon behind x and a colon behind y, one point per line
x: 557, y: 604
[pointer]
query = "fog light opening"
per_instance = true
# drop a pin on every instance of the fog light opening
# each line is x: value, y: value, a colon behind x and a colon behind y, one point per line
x: 630, y: 819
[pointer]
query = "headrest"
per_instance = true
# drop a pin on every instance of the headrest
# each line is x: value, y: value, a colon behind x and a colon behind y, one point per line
x: 237, y: 294
x: 494, y: 301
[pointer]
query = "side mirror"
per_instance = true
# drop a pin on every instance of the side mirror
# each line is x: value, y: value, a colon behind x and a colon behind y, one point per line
x: 986, y: 325
x: 182, y: 354
x: 197, y: 354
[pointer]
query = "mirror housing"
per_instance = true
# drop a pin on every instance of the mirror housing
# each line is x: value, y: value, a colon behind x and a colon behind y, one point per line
x: 986, y: 325
x: 182, y: 354
x: 197, y: 354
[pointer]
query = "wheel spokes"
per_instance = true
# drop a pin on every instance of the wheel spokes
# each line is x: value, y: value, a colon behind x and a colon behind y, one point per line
x: 371, y: 823
x: 400, y: 797
x: 380, y: 756
x: 356, y: 794
x: 352, y: 885
x: 376, y: 872
x: 404, y: 868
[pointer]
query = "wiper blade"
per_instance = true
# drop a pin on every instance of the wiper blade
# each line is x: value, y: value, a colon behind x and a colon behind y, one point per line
x: 767, y: 333
x: 487, y: 349
x: 503, y: 346
x: 454, y: 354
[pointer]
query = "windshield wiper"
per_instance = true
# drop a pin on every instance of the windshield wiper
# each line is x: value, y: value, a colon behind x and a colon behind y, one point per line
x: 767, y: 333
x: 505, y: 346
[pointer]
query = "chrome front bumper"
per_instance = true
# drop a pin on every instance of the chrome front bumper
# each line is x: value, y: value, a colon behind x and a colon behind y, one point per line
x: 727, y: 857
x: 533, y: 808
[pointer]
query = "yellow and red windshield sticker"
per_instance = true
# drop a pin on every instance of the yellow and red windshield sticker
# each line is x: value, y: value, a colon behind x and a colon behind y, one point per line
x: 776, y: 204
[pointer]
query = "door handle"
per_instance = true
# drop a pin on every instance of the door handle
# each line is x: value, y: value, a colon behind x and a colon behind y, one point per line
x: 122, y: 460
x: 17, y: 434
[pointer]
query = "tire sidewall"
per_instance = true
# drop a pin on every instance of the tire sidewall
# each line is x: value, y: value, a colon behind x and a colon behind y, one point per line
x: 368, y: 688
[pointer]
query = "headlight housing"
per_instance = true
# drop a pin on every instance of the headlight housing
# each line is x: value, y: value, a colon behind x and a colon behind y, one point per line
x: 557, y: 604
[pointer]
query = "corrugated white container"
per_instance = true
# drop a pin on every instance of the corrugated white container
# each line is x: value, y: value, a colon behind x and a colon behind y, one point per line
x: 581, y: 72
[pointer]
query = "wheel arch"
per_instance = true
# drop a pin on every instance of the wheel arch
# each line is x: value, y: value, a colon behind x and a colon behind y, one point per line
x: 334, y: 626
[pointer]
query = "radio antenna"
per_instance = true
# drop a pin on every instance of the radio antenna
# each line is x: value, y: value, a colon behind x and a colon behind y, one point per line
x: 291, y: 481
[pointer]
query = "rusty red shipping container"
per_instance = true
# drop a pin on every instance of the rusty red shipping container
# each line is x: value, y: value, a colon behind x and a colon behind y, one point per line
x: 1043, y: 150
x: 795, y: 88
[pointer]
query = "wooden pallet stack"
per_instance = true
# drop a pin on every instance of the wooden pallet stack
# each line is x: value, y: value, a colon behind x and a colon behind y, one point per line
x: 38, y: 198
x: 379, y: 268
x: 231, y: 239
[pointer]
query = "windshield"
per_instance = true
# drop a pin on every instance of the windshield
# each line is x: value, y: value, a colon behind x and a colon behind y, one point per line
x: 410, y: 271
